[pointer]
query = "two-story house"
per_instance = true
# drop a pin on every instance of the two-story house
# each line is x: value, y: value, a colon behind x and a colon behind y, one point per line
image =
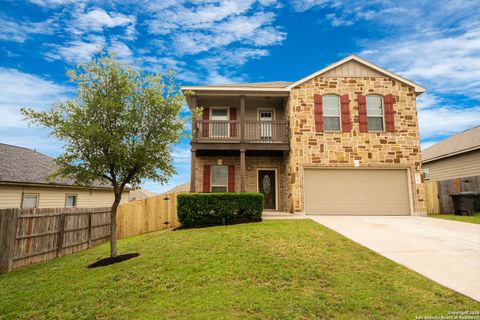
x: 343, y: 140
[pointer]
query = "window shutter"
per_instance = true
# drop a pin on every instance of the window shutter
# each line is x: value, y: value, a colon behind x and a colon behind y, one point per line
x: 389, y: 118
x: 233, y: 126
x: 206, y: 178
x: 205, y: 125
x: 362, y: 113
x: 231, y: 178
x: 346, y: 122
x: 317, y: 99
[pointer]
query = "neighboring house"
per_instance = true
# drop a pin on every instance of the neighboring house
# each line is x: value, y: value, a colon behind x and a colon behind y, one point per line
x: 184, y: 187
x: 455, y: 157
x: 343, y: 140
x: 140, y: 194
x: 24, y: 183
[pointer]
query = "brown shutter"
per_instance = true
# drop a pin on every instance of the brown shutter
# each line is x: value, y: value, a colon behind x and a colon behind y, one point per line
x: 362, y: 113
x: 206, y: 178
x: 346, y: 122
x: 317, y: 99
x: 389, y: 117
x: 205, y: 125
x: 233, y: 126
x: 231, y: 178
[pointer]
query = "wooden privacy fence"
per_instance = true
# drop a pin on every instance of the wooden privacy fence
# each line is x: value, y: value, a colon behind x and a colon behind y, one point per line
x: 32, y: 235
x: 437, y: 193
x: 147, y: 215
x: 431, y: 197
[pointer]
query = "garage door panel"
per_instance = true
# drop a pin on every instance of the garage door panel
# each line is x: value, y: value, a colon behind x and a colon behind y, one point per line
x: 356, y: 191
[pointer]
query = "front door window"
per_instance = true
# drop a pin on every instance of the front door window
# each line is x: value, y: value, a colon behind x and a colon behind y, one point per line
x: 266, y: 185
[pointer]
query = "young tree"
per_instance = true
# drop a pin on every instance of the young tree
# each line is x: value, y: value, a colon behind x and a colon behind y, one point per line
x: 119, y: 129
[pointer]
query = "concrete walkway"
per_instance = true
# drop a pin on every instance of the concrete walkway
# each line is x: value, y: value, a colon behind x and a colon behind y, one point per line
x: 447, y: 252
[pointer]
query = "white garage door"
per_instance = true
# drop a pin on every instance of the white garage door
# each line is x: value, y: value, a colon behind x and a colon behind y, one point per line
x: 356, y: 191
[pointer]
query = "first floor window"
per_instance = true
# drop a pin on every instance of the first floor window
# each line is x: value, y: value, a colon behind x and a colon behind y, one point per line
x: 219, y: 178
x: 71, y: 201
x: 331, y: 112
x: 30, y: 200
x: 375, y: 113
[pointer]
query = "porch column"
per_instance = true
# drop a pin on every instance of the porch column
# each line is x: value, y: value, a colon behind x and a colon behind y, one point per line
x: 242, y: 119
x: 192, y: 170
x: 242, y: 170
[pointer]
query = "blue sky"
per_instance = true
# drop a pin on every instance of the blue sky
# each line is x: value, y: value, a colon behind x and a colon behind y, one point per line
x: 435, y: 43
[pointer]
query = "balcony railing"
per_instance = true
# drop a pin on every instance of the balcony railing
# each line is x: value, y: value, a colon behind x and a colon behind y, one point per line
x: 231, y: 131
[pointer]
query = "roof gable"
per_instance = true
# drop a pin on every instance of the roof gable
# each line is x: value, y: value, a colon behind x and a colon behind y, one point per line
x: 356, y: 66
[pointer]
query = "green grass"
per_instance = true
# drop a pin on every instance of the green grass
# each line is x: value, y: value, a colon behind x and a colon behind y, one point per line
x: 268, y: 270
x: 472, y: 219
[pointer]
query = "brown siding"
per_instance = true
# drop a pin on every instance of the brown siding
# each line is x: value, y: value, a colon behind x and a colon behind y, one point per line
x: 352, y: 69
x: 463, y: 165
x: 52, y: 197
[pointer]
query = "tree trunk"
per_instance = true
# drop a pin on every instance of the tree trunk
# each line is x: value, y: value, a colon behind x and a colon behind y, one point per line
x: 113, y: 226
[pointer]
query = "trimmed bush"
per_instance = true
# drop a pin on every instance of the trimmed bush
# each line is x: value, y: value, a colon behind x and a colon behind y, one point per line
x: 206, y: 209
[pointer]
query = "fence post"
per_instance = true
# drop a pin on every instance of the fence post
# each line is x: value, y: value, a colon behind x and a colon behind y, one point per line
x: 89, y: 228
x: 8, y: 233
x: 60, y: 234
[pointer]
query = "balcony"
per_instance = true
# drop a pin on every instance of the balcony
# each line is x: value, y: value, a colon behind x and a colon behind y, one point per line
x: 216, y: 134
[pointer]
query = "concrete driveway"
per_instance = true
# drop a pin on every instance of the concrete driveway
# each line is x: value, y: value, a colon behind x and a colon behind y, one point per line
x: 447, y: 252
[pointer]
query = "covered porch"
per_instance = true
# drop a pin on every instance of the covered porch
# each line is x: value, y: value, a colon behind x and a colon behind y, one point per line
x: 241, y: 171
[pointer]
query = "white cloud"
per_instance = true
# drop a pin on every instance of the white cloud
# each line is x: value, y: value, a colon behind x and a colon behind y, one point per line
x: 21, y: 89
x: 20, y: 31
x: 446, y: 120
x: 196, y: 27
x: 122, y: 51
x: 77, y: 51
x: 53, y: 3
x: 97, y: 19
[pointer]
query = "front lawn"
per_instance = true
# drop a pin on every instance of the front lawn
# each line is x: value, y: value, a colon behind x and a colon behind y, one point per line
x: 472, y: 219
x: 273, y: 269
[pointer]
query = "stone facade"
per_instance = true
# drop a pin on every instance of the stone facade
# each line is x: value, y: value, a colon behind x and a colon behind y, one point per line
x: 399, y: 149
x: 252, y: 164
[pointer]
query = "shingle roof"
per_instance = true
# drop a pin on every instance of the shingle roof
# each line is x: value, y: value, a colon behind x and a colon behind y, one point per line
x: 140, y: 194
x: 184, y: 187
x: 25, y: 166
x: 462, y: 142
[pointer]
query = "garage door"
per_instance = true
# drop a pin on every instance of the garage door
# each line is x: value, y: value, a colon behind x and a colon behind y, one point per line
x: 356, y: 191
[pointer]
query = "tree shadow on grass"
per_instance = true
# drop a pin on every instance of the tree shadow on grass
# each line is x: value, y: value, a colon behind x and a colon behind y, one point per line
x: 108, y: 261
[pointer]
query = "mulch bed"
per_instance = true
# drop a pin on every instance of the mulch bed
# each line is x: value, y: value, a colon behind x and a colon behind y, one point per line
x: 108, y: 261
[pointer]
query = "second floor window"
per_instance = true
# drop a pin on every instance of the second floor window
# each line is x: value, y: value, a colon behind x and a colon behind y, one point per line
x: 219, y: 178
x: 375, y: 113
x: 331, y: 112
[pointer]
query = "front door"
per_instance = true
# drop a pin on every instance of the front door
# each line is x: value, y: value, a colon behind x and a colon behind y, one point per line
x: 267, y: 186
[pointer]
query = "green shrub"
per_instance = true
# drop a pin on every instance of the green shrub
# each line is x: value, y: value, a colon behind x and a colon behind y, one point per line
x: 204, y: 209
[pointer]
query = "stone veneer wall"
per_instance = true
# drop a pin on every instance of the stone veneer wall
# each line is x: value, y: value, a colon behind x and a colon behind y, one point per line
x: 400, y: 149
x: 251, y: 164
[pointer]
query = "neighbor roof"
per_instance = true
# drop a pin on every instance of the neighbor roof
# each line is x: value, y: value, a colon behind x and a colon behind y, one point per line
x: 184, y: 187
x: 462, y: 142
x: 282, y: 86
x: 20, y: 165
x: 140, y: 194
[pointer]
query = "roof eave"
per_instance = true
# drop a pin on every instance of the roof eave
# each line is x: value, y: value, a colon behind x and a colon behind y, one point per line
x: 451, y: 154
x: 235, y: 89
